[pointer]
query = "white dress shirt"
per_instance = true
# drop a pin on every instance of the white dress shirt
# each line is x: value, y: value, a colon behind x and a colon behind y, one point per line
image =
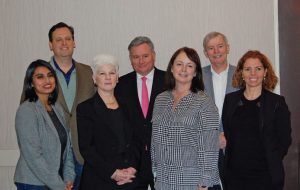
x: 219, y: 84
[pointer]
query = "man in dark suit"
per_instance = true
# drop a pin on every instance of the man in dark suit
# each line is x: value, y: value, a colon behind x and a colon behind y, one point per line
x: 74, y: 80
x: 130, y: 87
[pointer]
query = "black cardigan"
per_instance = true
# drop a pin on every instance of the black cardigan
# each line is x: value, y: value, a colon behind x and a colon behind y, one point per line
x: 275, y: 129
x: 99, y: 145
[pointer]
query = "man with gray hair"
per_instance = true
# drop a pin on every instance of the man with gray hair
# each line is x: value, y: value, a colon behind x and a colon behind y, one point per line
x: 140, y: 89
x: 217, y: 78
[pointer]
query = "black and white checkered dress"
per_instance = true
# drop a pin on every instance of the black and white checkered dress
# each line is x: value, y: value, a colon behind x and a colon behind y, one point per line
x: 184, y: 148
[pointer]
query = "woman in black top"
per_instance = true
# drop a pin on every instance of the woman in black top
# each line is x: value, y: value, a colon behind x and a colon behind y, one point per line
x: 105, y: 135
x: 257, y: 127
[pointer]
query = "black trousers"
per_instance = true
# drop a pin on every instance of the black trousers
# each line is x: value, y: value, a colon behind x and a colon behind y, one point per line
x: 236, y: 184
x: 215, y: 187
x: 235, y: 181
x: 145, y: 186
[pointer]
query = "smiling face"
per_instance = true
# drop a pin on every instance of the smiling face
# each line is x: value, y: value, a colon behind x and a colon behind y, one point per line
x: 253, y: 73
x: 43, y: 82
x: 62, y: 43
x: 216, y: 51
x: 106, y: 78
x: 142, y: 58
x: 183, y: 69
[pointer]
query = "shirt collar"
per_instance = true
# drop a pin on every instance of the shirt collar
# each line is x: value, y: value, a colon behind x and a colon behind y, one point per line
x: 220, y: 74
x: 69, y: 73
x: 149, y: 76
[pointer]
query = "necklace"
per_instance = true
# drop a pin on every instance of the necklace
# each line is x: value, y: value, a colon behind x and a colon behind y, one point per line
x: 111, y: 102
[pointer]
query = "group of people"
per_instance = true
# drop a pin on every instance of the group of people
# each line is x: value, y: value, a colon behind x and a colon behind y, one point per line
x: 186, y: 128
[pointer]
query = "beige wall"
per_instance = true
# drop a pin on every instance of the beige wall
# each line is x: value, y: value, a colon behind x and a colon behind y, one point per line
x: 107, y: 26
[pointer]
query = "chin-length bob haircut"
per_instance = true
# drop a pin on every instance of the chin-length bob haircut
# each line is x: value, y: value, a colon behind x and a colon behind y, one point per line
x: 30, y: 93
x: 197, y: 81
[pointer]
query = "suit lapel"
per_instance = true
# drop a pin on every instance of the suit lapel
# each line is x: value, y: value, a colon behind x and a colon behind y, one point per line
x: 157, y: 82
x: 100, y: 109
x: 61, y: 99
x: 48, y: 122
x: 135, y: 96
x: 261, y: 112
x: 229, y: 87
x: 155, y: 88
x: 209, y: 88
x: 60, y: 116
x: 237, y: 101
x: 125, y: 112
x: 78, y: 86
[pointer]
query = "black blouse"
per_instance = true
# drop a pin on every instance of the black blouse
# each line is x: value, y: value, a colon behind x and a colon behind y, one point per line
x: 247, y: 155
x: 62, y: 134
x: 117, y: 125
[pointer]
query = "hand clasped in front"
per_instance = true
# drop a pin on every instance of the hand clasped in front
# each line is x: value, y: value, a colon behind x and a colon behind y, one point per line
x: 123, y: 176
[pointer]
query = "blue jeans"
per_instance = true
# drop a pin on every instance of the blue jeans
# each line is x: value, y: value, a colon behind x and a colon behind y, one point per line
x: 23, y: 186
x: 78, y: 171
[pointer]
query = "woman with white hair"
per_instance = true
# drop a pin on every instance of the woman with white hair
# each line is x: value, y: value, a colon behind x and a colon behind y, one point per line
x: 105, y: 135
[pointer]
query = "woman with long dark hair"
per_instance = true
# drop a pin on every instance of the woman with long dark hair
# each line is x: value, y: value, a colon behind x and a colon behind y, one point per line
x: 46, y: 160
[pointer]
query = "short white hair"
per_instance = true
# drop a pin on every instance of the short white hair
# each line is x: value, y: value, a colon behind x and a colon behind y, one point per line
x: 104, y: 59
